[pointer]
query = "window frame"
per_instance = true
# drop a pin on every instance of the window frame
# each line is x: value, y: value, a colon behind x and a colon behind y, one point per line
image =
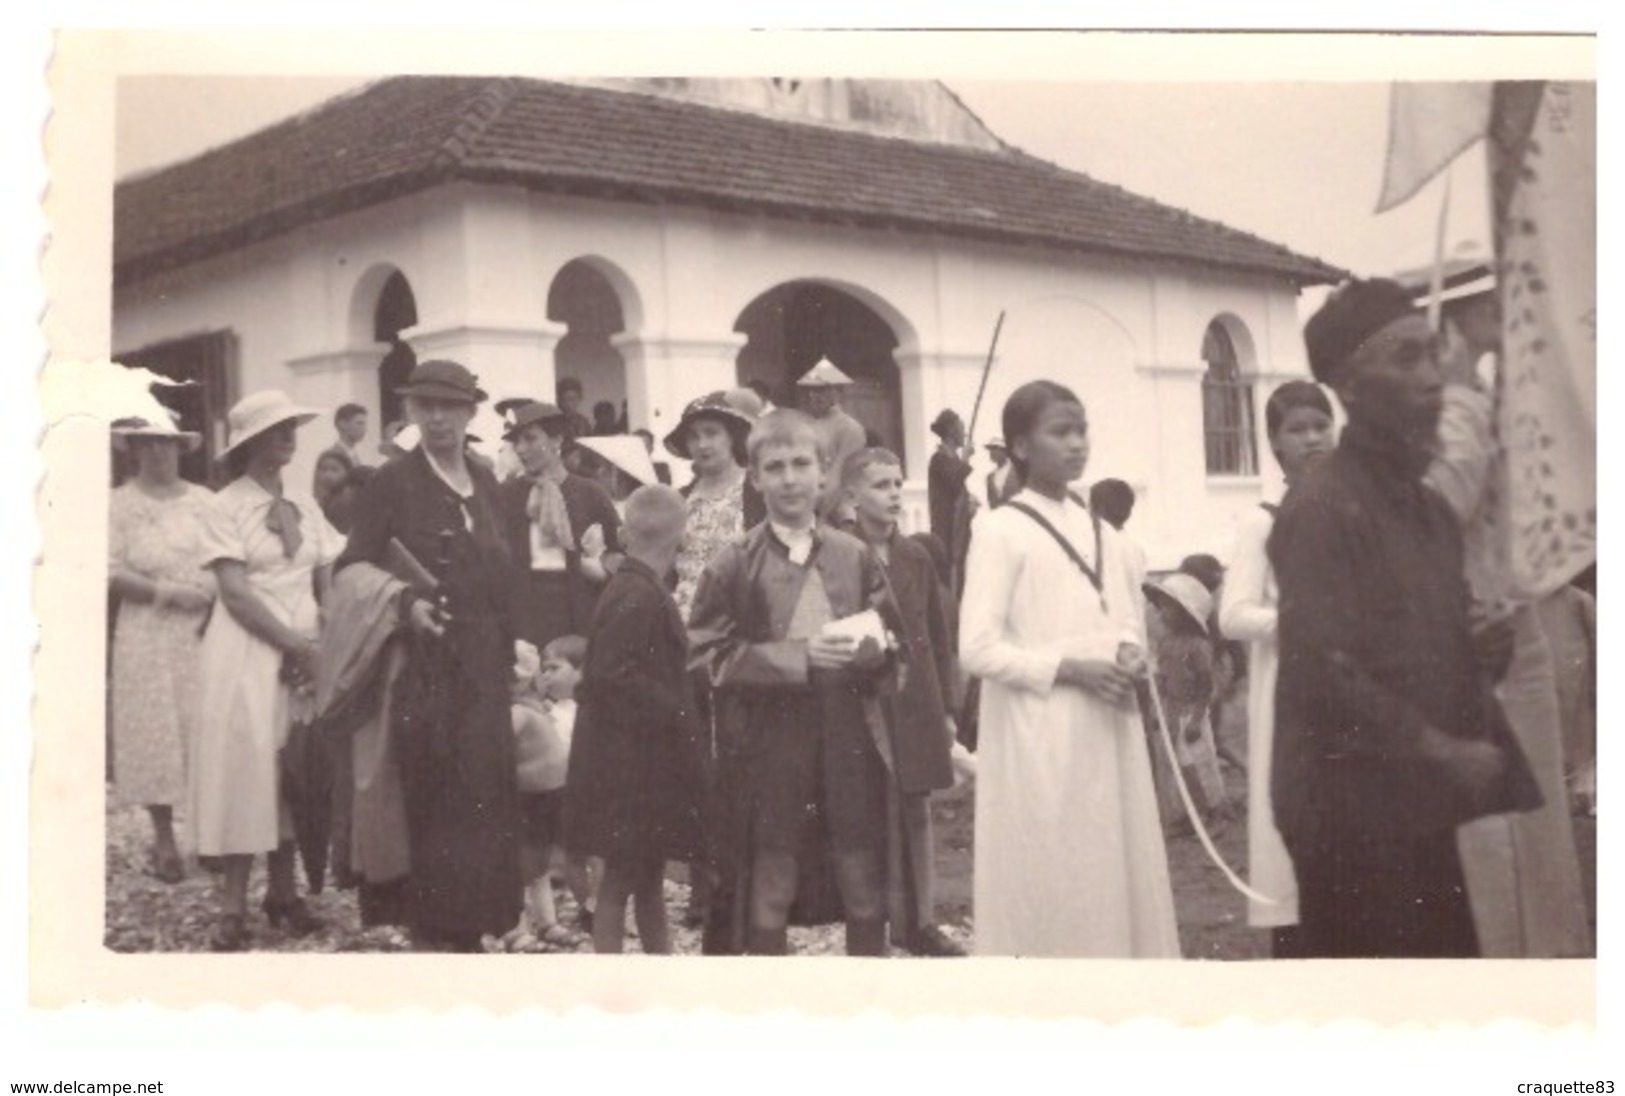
x: 1229, y: 411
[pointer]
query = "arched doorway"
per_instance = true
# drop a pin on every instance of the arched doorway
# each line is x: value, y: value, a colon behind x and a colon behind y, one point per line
x: 396, y: 311
x: 583, y: 300
x: 791, y: 326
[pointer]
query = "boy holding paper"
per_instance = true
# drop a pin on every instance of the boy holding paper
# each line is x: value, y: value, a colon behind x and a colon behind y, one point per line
x: 785, y: 620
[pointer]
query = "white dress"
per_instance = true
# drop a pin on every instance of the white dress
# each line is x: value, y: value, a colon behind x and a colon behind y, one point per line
x: 1247, y: 612
x: 155, y: 659
x: 1070, y: 859
x: 243, y: 716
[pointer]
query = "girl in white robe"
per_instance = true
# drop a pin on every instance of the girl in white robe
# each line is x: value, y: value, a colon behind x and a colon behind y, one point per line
x: 1298, y: 419
x: 1070, y: 859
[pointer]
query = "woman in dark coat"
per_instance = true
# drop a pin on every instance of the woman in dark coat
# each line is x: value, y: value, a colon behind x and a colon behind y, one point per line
x: 559, y: 526
x: 632, y: 793
x: 450, y: 717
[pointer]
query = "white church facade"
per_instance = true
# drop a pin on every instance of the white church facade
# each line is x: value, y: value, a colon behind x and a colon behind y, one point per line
x: 657, y: 239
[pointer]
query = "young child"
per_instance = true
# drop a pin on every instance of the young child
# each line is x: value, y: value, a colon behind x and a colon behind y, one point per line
x: 799, y: 722
x: 922, y: 732
x: 632, y: 795
x: 1070, y: 861
x: 544, y: 714
x: 1185, y: 682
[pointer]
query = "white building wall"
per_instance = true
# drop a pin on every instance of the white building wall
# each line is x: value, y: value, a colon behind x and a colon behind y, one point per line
x: 1126, y: 335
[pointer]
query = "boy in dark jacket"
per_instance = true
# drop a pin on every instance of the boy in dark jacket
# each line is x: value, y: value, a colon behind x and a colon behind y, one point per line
x: 775, y: 617
x: 632, y: 792
x: 921, y: 732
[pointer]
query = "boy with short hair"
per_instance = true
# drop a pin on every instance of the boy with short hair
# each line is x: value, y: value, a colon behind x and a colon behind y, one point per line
x: 799, y: 723
x: 922, y: 733
x: 350, y: 423
x: 633, y: 793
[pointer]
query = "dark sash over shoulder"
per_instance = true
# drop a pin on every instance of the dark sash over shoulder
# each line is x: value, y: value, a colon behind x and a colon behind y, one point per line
x: 1066, y: 546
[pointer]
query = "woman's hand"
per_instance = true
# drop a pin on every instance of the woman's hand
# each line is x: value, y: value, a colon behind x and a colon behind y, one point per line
x: 301, y: 658
x: 1131, y: 657
x: 426, y: 619
x: 1106, y: 680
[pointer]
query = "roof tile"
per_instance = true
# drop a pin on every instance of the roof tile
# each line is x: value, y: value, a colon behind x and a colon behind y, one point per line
x: 408, y: 133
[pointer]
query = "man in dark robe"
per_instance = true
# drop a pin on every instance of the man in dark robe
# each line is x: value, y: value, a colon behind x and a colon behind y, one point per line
x: 949, y: 500
x: 1388, y: 735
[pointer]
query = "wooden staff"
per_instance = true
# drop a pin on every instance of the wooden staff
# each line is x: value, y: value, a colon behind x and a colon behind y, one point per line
x: 976, y: 410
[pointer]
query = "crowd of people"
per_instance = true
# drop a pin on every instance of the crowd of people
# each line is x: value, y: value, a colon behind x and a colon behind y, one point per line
x: 454, y: 683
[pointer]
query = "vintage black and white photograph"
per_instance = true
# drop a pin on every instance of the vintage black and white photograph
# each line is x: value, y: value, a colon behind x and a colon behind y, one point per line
x: 899, y: 517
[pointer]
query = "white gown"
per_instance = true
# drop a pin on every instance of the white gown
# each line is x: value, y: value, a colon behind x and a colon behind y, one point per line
x: 243, y: 718
x: 1070, y: 860
x: 1248, y: 612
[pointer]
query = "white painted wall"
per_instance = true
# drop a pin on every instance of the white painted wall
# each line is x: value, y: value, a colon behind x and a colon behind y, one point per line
x: 1125, y: 334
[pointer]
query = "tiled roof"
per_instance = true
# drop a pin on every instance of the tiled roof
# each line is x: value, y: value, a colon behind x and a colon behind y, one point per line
x: 409, y: 133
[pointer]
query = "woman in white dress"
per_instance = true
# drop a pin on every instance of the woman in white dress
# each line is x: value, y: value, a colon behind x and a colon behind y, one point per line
x: 270, y: 549
x: 1298, y: 420
x: 157, y: 575
x: 1069, y: 850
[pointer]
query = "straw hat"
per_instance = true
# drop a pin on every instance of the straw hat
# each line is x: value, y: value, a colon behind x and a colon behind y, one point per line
x: 1186, y: 592
x: 256, y: 413
x: 624, y: 451
x: 995, y: 442
x: 823, y: 375
x: 138, y: 427
x: 727, y: 408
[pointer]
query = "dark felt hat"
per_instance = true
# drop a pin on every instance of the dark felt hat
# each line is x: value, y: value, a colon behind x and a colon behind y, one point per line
x: 1350, y: 316
x: 531, y: 413
x: 443, y: 380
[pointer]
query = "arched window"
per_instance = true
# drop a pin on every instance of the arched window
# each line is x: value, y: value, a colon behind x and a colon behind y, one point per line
x: 1227, y: 408
x: 396, y: 311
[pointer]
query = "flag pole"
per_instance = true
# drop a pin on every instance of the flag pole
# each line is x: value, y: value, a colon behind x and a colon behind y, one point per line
x: 1436, y: 282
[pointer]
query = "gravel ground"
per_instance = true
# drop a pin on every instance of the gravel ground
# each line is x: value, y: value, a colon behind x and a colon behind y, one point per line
x: 145, y: 915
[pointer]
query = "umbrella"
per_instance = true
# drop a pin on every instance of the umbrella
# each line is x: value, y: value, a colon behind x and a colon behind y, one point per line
x: 307, y: 786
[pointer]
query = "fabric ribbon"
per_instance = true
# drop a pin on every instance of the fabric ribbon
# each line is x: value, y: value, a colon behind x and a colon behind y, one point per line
x: 1195, y: 816
x: 283, y: 519
x: 547, y: 511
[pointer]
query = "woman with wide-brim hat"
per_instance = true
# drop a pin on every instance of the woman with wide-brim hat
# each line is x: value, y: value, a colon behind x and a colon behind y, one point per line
x: 722, y: 502
x: 449, y: 722
x: 155, y: 569
x: 562, y: 528
x: 270, y: 550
